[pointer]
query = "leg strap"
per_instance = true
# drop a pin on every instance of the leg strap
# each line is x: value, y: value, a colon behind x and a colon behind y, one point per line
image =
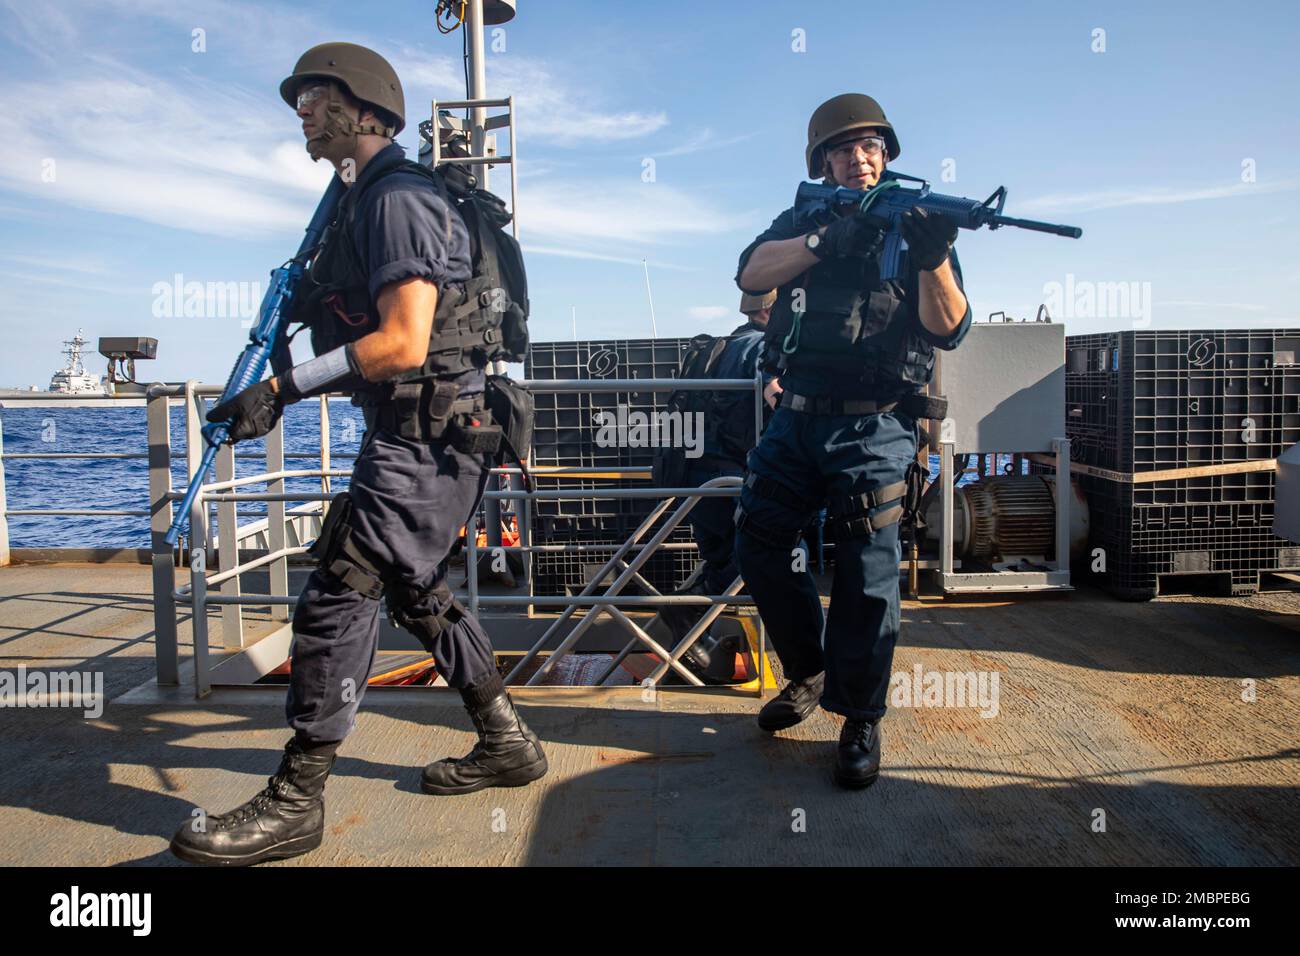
x: 775, y: 491
x: 336, y: 553
x: 766, y: 534
x: 851, y: 517
x: 356, y: 572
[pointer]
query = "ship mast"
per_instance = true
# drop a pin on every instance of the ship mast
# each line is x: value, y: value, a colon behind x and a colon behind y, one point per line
x: 73, y: 352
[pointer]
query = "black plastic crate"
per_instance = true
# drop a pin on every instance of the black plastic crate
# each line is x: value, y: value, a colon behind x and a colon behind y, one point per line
x: 1141, y: 401
x: 1233, y: 542
x: 566, y: 425
x: 569, y: 571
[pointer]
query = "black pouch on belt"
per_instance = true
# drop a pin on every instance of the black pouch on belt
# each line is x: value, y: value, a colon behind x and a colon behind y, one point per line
x: 512, y: 408
x: 469, y: 436
x: 913, y: 516
x: 334, y: 529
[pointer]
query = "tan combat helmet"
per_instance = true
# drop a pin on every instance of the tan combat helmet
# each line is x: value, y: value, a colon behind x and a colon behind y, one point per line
x: 366, y: 76
x: 749, y: 304
x: 840, y: 114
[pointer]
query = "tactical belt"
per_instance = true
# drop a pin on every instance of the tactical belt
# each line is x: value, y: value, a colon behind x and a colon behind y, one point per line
x: 421, y: 411
x: 917, y: 406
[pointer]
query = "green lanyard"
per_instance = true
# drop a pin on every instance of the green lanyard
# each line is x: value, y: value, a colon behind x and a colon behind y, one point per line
x: 791, y: 343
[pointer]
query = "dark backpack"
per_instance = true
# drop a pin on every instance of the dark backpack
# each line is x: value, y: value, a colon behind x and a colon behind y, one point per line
x: 700, y: 361
x: 495, y: 258
x: 495, y: 252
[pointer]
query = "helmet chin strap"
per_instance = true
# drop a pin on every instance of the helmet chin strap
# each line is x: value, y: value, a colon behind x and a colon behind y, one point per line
x: 338, y: 125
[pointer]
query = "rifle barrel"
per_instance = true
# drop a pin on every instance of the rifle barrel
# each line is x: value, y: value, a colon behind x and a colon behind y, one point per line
x: 1070, y: 232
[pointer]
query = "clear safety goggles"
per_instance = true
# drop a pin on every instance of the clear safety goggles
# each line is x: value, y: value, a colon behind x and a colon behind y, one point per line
x: 870, y: 145
x: 311, y: 94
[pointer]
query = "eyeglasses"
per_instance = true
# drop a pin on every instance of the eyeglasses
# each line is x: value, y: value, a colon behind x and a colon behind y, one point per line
x: 870, y: 145
x: 311, y: 95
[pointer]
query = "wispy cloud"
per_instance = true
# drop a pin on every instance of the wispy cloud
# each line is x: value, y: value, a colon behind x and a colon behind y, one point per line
x: 701, y: 142
x: 626, y: 212
x: 112, y: 138
x: 206, y: 155
x: 1158, y: 196
x: 62, y: 282
x: 557, y: 108
x: 59, y: 265
x: 601, y: 257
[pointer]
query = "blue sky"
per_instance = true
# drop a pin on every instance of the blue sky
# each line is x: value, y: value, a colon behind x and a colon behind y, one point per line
x: 168, y: 161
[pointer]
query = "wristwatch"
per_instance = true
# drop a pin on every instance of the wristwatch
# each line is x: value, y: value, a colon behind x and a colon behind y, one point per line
x: 813, y: 243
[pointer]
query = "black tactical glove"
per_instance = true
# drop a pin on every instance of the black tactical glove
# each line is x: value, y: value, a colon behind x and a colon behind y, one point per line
x: 929, y: 236
x: 857, y: 235
x: 254, y: 411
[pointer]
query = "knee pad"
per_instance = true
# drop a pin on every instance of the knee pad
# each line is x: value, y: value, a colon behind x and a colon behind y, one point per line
x: 856, y: 516
x: 427, y: 613
x: 336, y: 552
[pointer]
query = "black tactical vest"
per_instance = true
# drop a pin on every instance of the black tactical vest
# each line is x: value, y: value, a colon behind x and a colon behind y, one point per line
x: 334, y: 300
x: 853, y: 327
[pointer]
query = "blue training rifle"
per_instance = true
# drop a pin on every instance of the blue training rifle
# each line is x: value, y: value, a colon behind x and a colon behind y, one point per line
x: 266, y: 343
x: 889, y: 199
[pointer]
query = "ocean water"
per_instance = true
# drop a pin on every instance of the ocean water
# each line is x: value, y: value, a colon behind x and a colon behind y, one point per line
x: 124, y: 483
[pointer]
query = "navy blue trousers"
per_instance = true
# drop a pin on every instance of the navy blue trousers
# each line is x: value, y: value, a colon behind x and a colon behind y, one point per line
x: 410, y: 500
x: 821, y: 457
x: 713, y: 524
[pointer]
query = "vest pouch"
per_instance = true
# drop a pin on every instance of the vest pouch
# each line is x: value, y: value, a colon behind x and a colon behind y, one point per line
x: 916, y: 365
x: 878, y: 313
x: 779, y: 324
x: 832, y: 323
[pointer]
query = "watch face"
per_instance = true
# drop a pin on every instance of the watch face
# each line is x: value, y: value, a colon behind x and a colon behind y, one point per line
x: 813, y: 240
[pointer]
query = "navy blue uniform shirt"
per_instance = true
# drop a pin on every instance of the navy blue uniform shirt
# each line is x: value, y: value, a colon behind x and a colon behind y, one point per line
x: 403, y: 228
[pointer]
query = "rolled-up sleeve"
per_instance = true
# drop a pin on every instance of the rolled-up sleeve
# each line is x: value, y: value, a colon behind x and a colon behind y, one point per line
x: 411, y: 232
x: 782, y: 227
x: 952, y: 339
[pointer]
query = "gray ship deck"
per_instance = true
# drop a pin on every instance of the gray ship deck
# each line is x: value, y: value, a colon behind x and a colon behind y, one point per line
x: 1134, y: 709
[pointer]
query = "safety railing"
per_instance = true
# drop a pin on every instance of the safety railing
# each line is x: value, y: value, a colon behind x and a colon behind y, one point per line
x: 221, y: 588
x: 69, y: 547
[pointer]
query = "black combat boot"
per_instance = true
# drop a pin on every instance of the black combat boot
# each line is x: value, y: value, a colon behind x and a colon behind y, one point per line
x: 857, y: 759
x: 699, y: 657
x: 680, y: 618
x: 793, y: 704
x: 507, y: 754
x: 285, y: 819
